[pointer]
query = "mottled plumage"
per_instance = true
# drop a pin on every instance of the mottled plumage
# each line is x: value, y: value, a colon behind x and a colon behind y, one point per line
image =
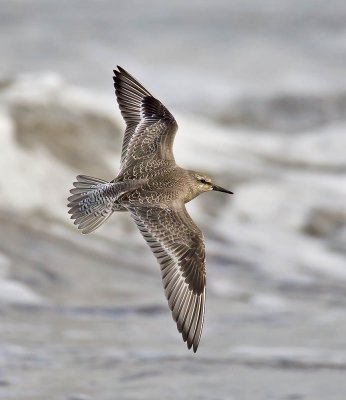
x: 154, y: 190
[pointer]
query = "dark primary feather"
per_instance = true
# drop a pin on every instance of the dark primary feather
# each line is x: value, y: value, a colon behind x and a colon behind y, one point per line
x: 150, y: 127
x: 178, y: 245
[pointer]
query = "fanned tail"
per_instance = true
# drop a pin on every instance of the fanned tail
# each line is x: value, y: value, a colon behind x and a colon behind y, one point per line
x: 90, y: 204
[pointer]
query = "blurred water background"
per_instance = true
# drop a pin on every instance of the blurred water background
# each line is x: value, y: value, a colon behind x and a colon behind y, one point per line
x: 259, y: 93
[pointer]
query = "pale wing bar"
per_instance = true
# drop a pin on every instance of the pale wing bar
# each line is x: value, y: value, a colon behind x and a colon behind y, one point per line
x: 178, y: 246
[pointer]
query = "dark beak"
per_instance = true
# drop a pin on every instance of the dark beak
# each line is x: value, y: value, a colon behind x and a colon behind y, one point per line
x: 220, y: 189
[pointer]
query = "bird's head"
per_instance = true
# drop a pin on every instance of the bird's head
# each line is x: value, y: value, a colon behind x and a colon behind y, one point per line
x: 203, y: 183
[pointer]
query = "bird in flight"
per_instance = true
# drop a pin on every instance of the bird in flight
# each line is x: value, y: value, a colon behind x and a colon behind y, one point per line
x: 154, y: 190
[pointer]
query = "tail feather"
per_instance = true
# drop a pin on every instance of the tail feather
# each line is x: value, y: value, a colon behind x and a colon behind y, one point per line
x: 89, y: 179
x: 89, y: 204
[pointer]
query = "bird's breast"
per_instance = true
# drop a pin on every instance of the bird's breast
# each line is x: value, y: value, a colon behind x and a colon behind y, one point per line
x: 163, y: 189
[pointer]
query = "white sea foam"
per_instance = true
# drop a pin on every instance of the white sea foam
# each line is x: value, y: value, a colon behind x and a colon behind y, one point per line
x: 276, y: 188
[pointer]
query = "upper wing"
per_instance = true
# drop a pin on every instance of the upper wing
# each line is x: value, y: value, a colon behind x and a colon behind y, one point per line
x: 150, y: 127
x: 178, y: 245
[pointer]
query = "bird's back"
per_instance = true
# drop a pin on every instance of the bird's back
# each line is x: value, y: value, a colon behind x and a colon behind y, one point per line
x: 165, y: 183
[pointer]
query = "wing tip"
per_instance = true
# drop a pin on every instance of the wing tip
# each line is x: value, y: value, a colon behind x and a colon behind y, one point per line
x: 118, y: 72
x: 122, y: 77
x: 194, y: 345
x: 192, y: 341
x: 118, y: 69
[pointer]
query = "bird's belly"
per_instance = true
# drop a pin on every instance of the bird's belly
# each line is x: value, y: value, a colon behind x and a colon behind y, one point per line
x: 149, y: 198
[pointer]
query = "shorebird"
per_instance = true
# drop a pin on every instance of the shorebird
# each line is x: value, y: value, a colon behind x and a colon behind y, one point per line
x: 154, y: 190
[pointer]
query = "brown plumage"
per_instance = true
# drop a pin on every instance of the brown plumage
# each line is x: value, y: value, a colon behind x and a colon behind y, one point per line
x: 154, y: 190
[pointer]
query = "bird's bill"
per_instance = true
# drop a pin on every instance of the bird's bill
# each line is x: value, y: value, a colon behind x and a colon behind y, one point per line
x: 220, y: 189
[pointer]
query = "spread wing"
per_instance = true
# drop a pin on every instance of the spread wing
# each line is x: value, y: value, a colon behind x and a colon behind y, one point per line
x: 178, y: 246
x: 150, y: 127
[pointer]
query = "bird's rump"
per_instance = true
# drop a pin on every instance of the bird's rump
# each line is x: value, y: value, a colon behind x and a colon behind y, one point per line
x: 178, y: 245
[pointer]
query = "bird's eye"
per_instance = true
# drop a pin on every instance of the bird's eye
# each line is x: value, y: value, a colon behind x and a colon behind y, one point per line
x: 203, y: 180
